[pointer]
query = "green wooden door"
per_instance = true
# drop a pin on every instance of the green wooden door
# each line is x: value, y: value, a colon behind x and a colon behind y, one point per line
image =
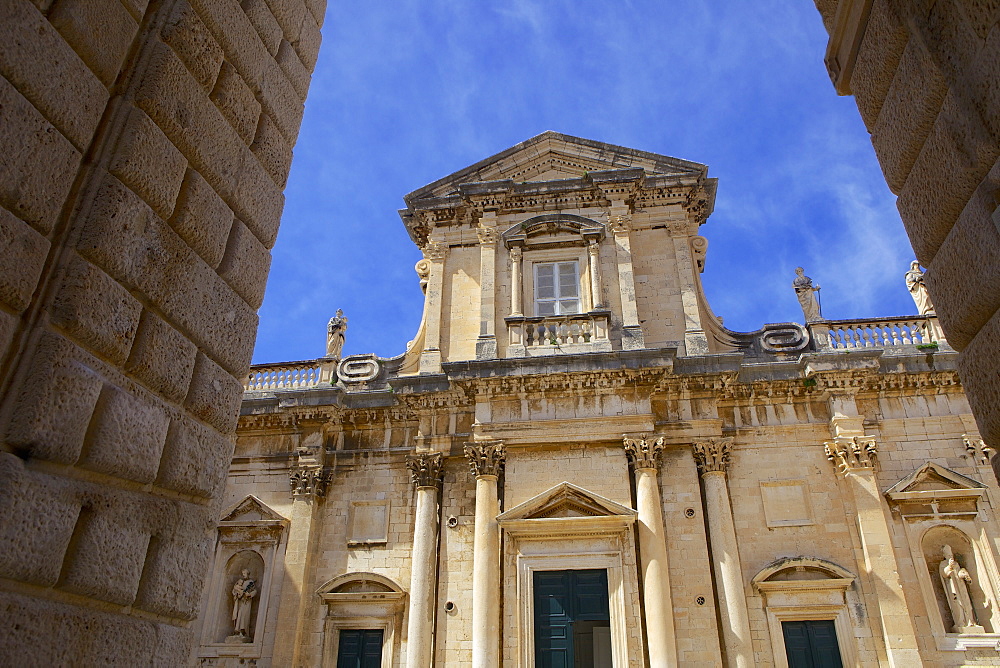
x: 360, y: 648
x: 568, y: 604
x: 811, y: 644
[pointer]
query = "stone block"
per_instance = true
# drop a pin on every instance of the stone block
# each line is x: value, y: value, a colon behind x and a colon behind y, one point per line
x: 178, y: 558
x: 297, y: 73
x: 264, y: 22
x: 308, y: 43
x: 126, y: 434
x: 214, y: 395
x: 37, y: 163
x: 37, y: 516
x: 8, y: 325
x: 977, y: 367
x: 318, y: 9
x: 96, y: 311
x: 125, y: 237
x: 148, y: 163
x: 100, y: 33
x: 162, y: 358
x: 964, y: 279
x: 236, y: 102
x: 24, y: 251
x: 202, y: 219
x: 984, y: 74
x: 951, y: 39
x: 953, y: 161
x: 907, y: 115
x: 136, y: 8
x: 289, y: 15
x: 54, y: 406
x: 245, y: 265
x: 273, y: 152
x: 878, y: 57
x: 195, y: 459
x: 45, y: 70
x: 190, y: 39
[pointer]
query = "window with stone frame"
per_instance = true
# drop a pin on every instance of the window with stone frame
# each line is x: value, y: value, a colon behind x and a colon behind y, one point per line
x: 557, y: 288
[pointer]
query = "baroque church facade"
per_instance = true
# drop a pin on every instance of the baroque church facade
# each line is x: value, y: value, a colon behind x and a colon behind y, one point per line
x: 575, y: 463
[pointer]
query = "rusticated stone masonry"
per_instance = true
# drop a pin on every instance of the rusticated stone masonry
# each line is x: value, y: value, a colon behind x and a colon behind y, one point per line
x: 143, y: 152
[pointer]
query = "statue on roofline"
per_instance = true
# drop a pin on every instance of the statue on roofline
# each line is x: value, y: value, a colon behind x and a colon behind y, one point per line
x: 808, y: 296
x: 918, y: 289
x: 335, y: 335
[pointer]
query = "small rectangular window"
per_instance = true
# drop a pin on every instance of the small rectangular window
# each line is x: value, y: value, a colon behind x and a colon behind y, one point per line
x: 557, y: 288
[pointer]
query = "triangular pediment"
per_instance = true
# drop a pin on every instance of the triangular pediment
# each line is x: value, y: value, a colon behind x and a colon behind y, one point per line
x: 566, y: 500
x: 552, y: 156
x: 251, y: 510
x: 933, y: 477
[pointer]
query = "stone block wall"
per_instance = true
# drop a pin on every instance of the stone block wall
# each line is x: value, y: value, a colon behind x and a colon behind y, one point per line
x: 925, y: 78
x: 144, y: 150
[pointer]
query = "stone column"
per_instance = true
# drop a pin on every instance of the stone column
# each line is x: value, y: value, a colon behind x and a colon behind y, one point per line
x: 654, y: 567
x: 594, y: 256
x: 515, y: 281
x: 855, y: 458
x: 712, y: 457
x: 486, y: 344
x: 426, y: 471
x: 619, y: 220
x: 486, y: 460
x: 430, y: 357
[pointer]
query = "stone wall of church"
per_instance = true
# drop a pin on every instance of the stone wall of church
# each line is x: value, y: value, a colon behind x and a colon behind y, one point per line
x: 924, y: 76
x: 145, y: 148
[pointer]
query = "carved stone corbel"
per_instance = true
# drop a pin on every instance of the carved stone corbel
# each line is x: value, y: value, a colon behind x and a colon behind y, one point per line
x: 852, y: 454
x: 713, y: 455
x: 644, y: 454
x: 486, y: 457
x: 426, y: 470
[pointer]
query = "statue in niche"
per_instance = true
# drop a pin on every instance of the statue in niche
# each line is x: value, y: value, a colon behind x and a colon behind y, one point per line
x: 244, y: 591
x: 335, y: 334
x: 807, y: 295
x: 956, y: 581
x: 918, y: 289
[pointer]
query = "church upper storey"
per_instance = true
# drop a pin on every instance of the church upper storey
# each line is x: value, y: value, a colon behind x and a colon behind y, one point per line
x: 561, y: 245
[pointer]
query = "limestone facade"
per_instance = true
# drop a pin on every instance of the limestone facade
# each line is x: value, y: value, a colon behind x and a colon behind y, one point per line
x: 144, y: 147
x: 571, y: 406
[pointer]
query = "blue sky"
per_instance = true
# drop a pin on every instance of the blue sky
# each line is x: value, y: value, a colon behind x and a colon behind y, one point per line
x: 408, y: 91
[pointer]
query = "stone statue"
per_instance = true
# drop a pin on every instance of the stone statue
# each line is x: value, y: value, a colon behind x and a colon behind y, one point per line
x: 805, y: 291
x: 243, y: 592
x: 918, y: 289
x: 335, y: 330
x: 956, y: 581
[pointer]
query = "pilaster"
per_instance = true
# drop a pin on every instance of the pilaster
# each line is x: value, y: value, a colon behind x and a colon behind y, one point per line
x: 430, y: 357
x: 695, y: 339
x: 486, y: 344
x: 713, y: 457
x: 654, y: 565
x: 620, y: 221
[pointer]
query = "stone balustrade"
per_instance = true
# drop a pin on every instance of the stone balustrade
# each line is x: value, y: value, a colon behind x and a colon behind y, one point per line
x: 557, y: 331
x: 285, y: 376
x: 876, y: 333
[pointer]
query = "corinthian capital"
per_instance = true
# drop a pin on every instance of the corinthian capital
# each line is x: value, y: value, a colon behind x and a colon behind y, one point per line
x: 852, y: 454
x: 487, y: 235
x: 644, y: 453
x: 434, y: 250
x: 485, y: 458
x: 426, y: 470
x: 713, y: 455
x: 309, y: 482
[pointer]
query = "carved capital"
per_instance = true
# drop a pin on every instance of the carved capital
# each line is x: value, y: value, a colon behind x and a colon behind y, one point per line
x: 644, y: 454
x: 434, y: 250
x: 487, y: 235
x: 426, y: 470
x: 309, y: 481
x: 594, y: 248
x: 713, y: 454
x: 620, y: 224
x: 516, y: 254
x: 486, y: 458
x: 852, y: 454
x: 978, y: 450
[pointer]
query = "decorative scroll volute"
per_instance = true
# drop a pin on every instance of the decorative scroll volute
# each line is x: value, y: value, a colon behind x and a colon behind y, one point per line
x: 853, y: 454
x: 426, y: 470
x: 645, y: 454
x: 486, y: 457
x: 978, y: 450
x: 713, y: 455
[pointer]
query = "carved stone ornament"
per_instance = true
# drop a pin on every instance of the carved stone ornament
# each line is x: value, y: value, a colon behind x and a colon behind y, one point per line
x: 487, y: 235
x: 978, y: 450
x: 516, y: 254
x: 426, y: 470
x: 486, y: 458
x: 620, y: 224
x: 849, y: 455
x: 713, y: 455
x: 434, y: 250
x: 309, y: 482
x: 423, y: 269
x: 645, y: 454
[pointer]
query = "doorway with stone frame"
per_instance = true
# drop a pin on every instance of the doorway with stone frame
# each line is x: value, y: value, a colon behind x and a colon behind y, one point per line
x: 572, y: 619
